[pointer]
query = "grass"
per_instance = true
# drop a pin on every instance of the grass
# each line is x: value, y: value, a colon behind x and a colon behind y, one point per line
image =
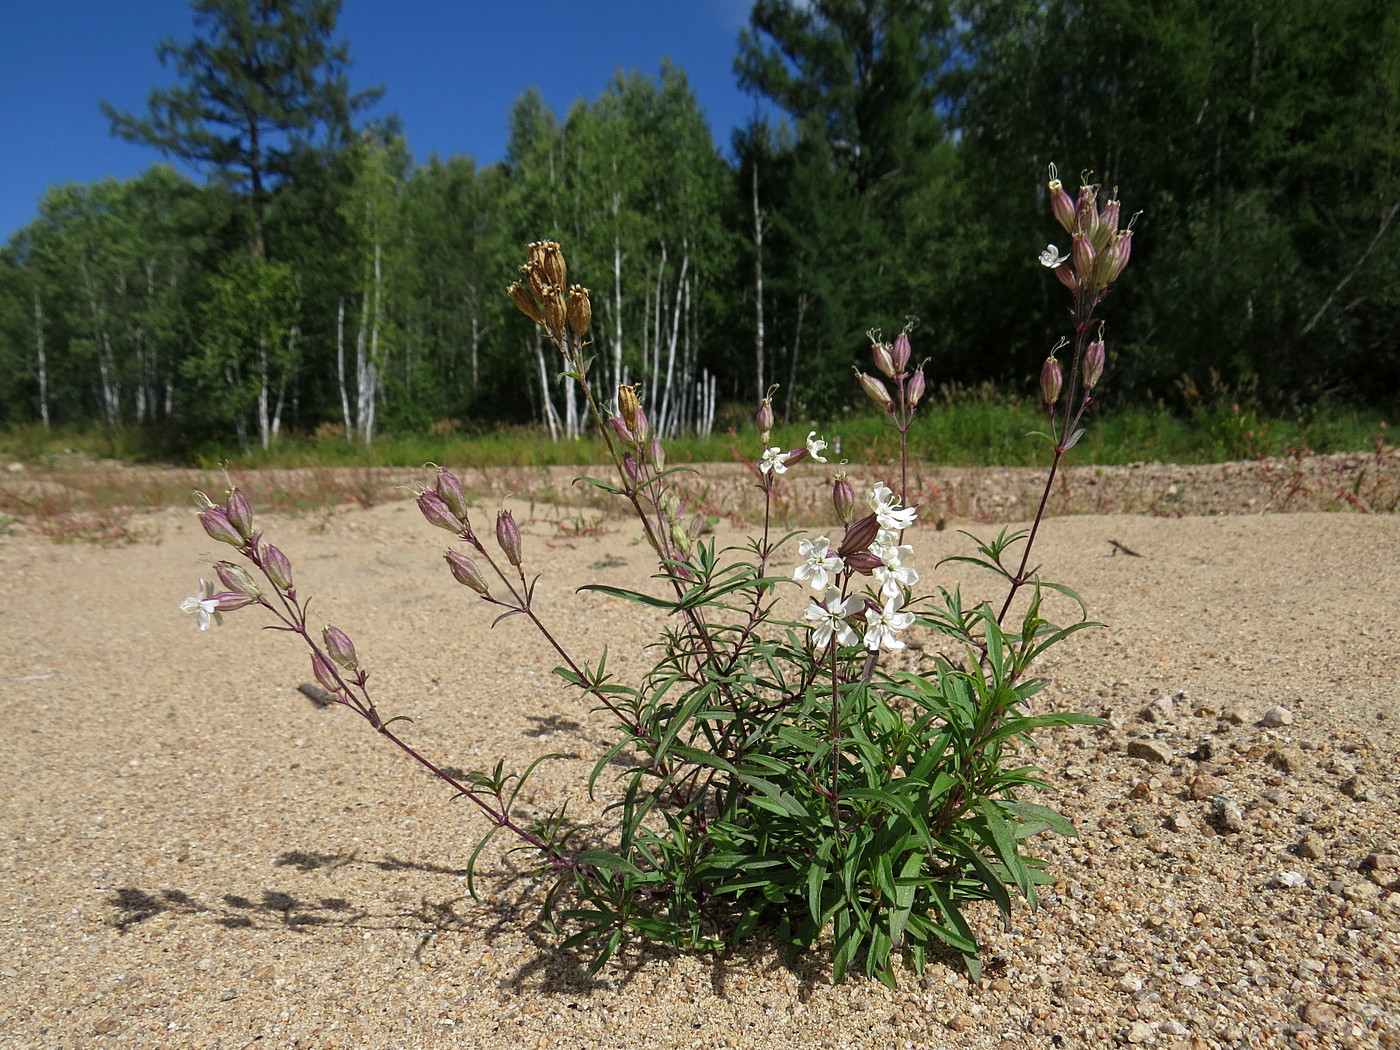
x: 965, y: 428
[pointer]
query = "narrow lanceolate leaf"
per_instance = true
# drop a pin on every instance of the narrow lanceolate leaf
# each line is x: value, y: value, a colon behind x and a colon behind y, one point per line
x: 631, y: 596
x: 1003, y: 842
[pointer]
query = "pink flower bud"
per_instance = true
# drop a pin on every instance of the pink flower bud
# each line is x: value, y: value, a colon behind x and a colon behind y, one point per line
x: 876, y: 391
x: 1067, y: 277
x: 324, y: 672
x: 1083, y: 254
x: 1093, y: 364
x: 465, y: 572
x: 843, y: 498
x: 508, y: 536
x: 1118, y: 254
x: 656, y: 455
x: 863, y: 562
x: 1108, y: 218
x: 216, y: 523
x: 1061, y: 205
x: 240, y: 513
x: 899, y: 353
x: 450, y: 490
x: 632, y: 469
x: 228, y: 601
x: 339, y: 646
x: 764, y: 421
x: 641, y: 426
x: 236, y: 578
x: 438, y: 513
x: 623, y: 431
x: 860, y: 534
x: 884, y: 360
x: 278, y: 568
x: 914, y: 389
x: 1051, y: 379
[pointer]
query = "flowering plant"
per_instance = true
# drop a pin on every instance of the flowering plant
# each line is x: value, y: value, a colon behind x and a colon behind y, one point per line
x: 782, y: 772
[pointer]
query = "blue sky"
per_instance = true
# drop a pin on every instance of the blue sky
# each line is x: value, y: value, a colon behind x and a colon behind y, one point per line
x: 451, y: 69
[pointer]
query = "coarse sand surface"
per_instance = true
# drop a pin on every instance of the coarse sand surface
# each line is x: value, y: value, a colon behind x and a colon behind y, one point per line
x: 195, y: 854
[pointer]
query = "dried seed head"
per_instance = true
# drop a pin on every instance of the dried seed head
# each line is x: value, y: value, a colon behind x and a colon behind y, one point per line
x: 580, y: 310
x: 525, y: 302
x: 339, y: 646
x: 553, y: 308
x: 548, y: 258
x: 508, y: 536
x: 465, y: 572
x: 628, y: 405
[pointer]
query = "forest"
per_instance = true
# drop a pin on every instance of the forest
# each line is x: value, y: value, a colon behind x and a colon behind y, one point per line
x: 319, y: 279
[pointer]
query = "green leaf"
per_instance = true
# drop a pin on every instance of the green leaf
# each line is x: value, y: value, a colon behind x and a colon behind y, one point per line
x: 631, y: 596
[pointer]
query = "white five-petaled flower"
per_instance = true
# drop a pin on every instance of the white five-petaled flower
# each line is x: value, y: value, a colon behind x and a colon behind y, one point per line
x: 829, y: 618
x: 815, y: 446
x: 1051, y: 257
x: 774, y: 461
x: 819, y: 565
x: 888, y: 513
x: 894, y: 577
x: 884, y: 624
x: 203, y: 605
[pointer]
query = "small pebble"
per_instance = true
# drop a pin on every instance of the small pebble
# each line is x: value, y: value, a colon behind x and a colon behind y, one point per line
x: 1150, y: 750
x: 1277, y: 716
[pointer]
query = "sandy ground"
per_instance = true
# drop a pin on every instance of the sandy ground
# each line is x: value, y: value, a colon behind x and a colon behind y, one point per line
x: 196, y: 855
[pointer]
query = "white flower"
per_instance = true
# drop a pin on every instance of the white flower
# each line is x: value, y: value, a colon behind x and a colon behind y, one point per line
x: 774, y: 461
x: 829, y: 617
x: 1051, y: 257
x: 203, y: 606
x: 885, y: 504
x: 888, y: 552
x: 894, y: 577
x: 818, y: 565
x: 884, y: 624
x: 815, y: 445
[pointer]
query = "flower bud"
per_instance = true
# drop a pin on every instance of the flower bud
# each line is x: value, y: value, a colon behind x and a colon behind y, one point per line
x: 324, y: 672
x: 277, y: 567
x: 656, y: 455
x: 339, y: 646
x: 764, y: 420
x: 436, y: 510
x: 1051, y: 380
x: 580, y: 310
x: 525, y: 302
x: 465, y: 572
x: 899, y: 353
x: 884, y: 360
x: 236, y: 578
x: 860, y: 534
x: 216, y: 523
x: 632, y: 469
x: 876, y: 391
x: 229, y: 601
x: 1083, y: 255
x: 240, y: 513
x: 622, y: 430
x: 863, y: 562
x: 1093, y: 364
x: 843, y: 498
x: 1067, y: 277
x: 1061, y: 204
x: 914, y: 389
x: 508, y: 536
x: 450, y: 490
x: 1108, y: 217
x: 680, y: 537
x: 1086, y: 210
x: 1117, y: 255
x: 642, y: 426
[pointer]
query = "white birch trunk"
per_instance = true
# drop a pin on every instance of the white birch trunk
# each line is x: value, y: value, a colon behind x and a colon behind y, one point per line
x: 340, y: 370
x: 41, y: 360
x: 758, y: 284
